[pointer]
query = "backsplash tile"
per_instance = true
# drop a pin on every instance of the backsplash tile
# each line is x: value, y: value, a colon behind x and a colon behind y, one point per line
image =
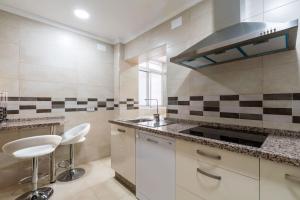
x: 30, y: 106
x: 283, y: 107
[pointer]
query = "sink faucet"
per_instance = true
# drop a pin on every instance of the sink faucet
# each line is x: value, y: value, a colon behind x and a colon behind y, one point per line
x: 156, y: 116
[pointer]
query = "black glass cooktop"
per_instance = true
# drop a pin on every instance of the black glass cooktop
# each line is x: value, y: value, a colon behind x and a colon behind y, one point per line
x: 238, y: 137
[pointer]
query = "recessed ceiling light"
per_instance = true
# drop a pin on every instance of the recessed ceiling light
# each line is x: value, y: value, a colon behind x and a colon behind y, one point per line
x: 82, y: 14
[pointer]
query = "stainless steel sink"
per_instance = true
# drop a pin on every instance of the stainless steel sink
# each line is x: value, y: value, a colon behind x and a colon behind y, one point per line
x: 136, y: 121
x: 151, y: 122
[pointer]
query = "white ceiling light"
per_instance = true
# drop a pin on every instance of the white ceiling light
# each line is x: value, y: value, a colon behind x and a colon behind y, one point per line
x: 82, y: 14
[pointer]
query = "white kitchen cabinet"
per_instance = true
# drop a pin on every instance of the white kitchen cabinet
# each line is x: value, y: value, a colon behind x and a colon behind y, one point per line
x: 278, y: 181
x: 123, y: 151
x: 182, y: 194
x: 210, y: 180
x: 215, y: 157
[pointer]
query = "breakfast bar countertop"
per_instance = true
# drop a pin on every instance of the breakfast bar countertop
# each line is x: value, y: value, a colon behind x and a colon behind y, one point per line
x: 280, y: 146
x: 13, y: 124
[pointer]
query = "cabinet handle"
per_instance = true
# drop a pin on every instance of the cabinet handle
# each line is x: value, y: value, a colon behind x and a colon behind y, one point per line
x: 208, y: 155
x: 209, y: 175
x: 292, y: 178
x: 153, y: 141
x: 121, y: 130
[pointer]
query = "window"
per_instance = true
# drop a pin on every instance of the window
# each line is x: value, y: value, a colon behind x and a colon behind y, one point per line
x: 151, y: 82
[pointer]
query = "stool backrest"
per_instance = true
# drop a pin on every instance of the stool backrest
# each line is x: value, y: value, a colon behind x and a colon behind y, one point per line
x: 23, y: 143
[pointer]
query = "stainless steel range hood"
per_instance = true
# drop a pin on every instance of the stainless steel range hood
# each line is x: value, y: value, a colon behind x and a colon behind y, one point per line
x: 240, y: 41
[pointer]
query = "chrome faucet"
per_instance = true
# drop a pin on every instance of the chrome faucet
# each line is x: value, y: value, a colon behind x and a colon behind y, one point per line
x: 156, y: 116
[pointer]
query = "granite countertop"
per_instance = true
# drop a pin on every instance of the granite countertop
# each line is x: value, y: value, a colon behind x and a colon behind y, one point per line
x: 280, y: 146
x: 13, y: 124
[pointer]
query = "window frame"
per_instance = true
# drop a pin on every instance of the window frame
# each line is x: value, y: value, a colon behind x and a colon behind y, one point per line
x: 148, y: 72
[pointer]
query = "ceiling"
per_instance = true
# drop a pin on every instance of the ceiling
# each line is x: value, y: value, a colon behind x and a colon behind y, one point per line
x: 111, y: 20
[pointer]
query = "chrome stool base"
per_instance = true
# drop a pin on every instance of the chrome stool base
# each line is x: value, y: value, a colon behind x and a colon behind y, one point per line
x: 40, y: 194
x: 71, y: 175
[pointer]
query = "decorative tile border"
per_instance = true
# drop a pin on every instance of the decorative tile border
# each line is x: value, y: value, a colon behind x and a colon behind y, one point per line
x: 283, y: 107
x: 31, y: 105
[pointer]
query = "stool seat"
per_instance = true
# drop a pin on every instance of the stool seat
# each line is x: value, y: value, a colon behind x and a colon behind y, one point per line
x: 76, y: 134
x: 32, y: 146
x: 36, y: 151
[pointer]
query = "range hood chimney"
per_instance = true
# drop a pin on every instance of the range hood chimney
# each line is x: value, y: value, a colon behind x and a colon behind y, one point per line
x: 226, y: 13
x: 235, y: 40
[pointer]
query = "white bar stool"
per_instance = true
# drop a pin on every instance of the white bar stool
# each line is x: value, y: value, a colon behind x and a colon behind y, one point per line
x: 33, y: 147
x: 72, y: 137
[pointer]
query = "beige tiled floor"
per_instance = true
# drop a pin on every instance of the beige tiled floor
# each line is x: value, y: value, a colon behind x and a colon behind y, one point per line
x: 97, y: 184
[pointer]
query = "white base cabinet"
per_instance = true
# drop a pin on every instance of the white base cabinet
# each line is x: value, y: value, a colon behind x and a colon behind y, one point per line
x: 123, y: 151
x: 209, y: 180
x: 279, y: 182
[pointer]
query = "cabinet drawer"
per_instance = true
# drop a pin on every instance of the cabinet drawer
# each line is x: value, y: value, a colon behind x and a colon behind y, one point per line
x: 279, y: 181
x: 123, y: 151
x: 214, y: 183
x: 245, y: 165
x: 182, y: 194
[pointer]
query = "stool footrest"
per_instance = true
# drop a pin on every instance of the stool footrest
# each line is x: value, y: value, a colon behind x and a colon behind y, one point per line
x: 28, y: 179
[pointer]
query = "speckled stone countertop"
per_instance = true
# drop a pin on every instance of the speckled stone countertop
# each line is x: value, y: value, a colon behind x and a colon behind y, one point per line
x: 31, y: 123
x: 280, y: 146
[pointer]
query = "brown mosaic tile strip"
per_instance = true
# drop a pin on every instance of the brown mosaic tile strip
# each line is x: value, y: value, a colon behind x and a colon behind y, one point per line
x: 82, y: 102
x: 28, y: 98
x: 213, y: 109
x: 283, y: 96
x: 296, y: 119
x: 12, y: 112
x: 229, y: 115
x: 251, y: 104
x: 196, y: 98
x: 196, y: 113
x: 13, y: 98
x: 58, y: 104
x: 101, y: 104
x: 43, y: 98
x: 183, y: 103
x: 92, y: 99
x: 172, y: 111
x: 27, y: 107
x: 229, y: 97
x: 278, y: 111
x: 296, y: 96
x: 43, y: 111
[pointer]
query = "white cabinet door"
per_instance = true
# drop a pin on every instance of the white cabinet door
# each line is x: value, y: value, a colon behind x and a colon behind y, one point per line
x: 279, y: 182
x: 123, y: 151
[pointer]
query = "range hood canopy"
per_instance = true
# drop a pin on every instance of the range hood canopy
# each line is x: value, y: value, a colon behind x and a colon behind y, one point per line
x: 240, y: 41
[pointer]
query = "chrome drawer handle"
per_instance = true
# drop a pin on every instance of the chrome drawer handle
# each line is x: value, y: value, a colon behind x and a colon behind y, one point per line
x: 209, y: 175
x: 208, y: 155
x: 292, y: 178
x: 153, y: 141
x: 121, y: 130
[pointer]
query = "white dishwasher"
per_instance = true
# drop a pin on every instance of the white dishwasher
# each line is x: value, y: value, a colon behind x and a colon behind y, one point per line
x: 155, y: 167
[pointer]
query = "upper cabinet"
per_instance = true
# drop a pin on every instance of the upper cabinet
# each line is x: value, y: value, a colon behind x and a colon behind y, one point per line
x: 279, y: 182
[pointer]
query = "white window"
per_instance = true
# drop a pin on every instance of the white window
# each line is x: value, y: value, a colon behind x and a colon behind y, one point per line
x: 151, y: 83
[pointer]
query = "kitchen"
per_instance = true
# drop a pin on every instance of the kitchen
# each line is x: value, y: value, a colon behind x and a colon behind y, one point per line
x: 195, y: 99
